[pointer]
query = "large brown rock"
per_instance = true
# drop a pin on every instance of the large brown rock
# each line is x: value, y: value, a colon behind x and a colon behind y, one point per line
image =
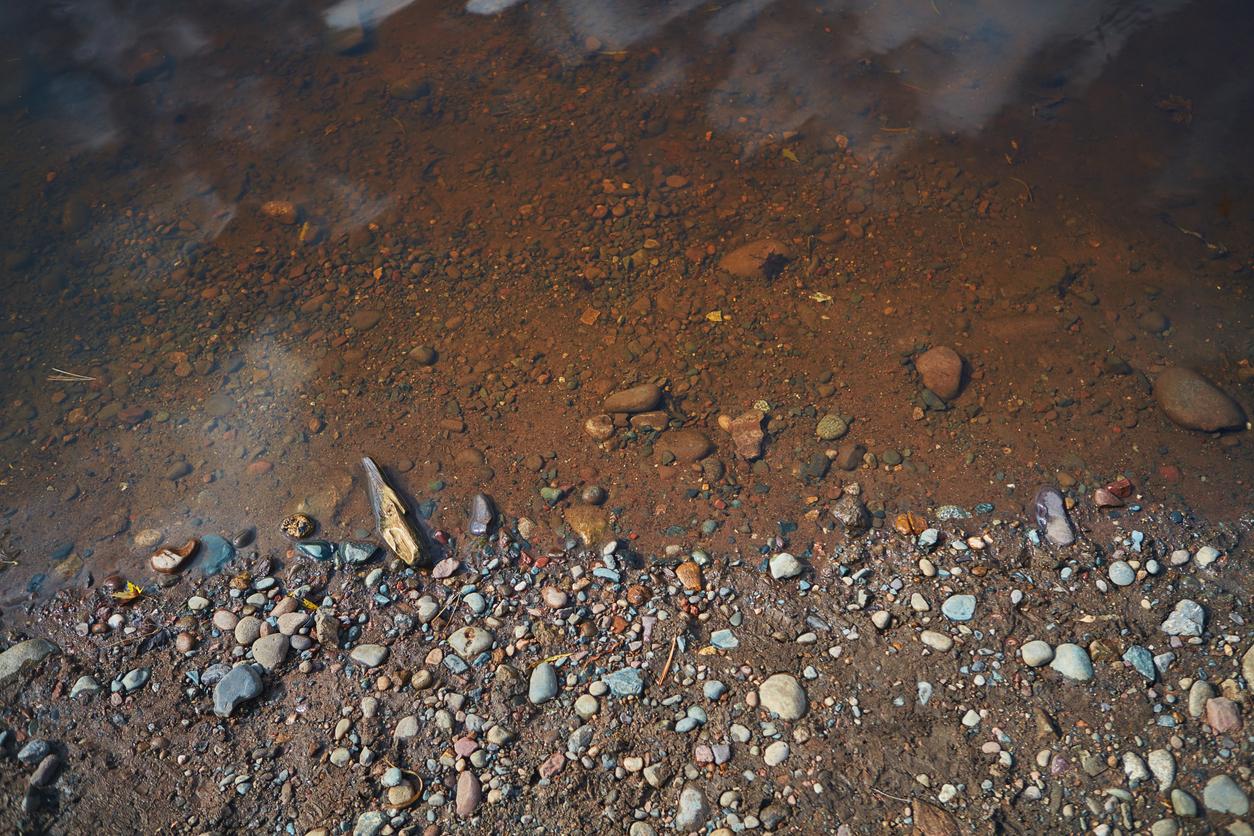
x: 640, y: 398
x: 688, y: 445
x: 1192, y: 401
x: 750, y: 261
x: 941, y: 370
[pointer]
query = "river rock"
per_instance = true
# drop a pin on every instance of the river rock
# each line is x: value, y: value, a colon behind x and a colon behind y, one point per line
x: 784, y: 696
x: 543, y: 684
x: 693, y: 809
x: 941, y: 370
x: 469, y: 794
x: 26, y: 654
x: 756, y: 259
x: 241, y: 684
x: 271, y: 650
x: 1224, y: 795
x: 1072, y: 661
x: 469, y: 642
x: 687, y: 445
x: 640, y: 398
x: 369, y: 655
x: 1195, y: 403
x: 1036, y: 653
x: 784, y: 565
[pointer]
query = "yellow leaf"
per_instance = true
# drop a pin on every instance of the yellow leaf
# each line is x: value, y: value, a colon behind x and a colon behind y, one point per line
x: 130, y: 593
x: 715, y: 316
x: 820, y: 296
x: 788, y: 154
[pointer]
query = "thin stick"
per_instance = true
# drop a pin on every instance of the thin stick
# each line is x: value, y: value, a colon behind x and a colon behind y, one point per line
x: 893, y: 797
x: 670, y: 658
x: 62, y: 374
x: 1026, y: 186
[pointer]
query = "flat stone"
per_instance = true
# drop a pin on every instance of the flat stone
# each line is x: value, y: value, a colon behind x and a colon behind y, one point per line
x: 747, y: 435
x: 84, y: 685
x: 937, y: 641
x: 369, y: 655
x: 15, y: 660
x: 369, y: 823
x: 1036, y: 653
x: 469, y: 794
x: 290, y: 623
x: 1142, y: 661
x: 1224, y: 795
x: 241, y: 684
x: 135, y: 679
x: 1223, y: 715
x: 1072, y: 661
x: 215, y: 553
x: 687, y: 445
x: 756, y: 259
x: 356, y: 552
x: 784, y: 696
x: 959, y: 607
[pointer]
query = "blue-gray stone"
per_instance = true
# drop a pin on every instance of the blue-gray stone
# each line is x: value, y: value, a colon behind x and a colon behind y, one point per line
x: 928, y: 539
x: 135, y: 679
x: 724, y: 640
x: 354, y: 552
x: 713, y: 689
x: 1121, y: 574
x: 959, y: 607
x: 1073, y: 662
x: 240, y: 685
x: 317, y: 549
x: 686, y: 725
x: 543, y: 684
x: 215, y: 553
x: 627, y: 682
x: 1141, y: 660
x: 607, y: 574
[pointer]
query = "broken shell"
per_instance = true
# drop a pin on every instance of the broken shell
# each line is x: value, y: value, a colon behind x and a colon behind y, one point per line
x: 168, y: 560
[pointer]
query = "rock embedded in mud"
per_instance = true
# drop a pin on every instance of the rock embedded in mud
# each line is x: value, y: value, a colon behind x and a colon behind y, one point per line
x: 760, y: 259
x: 15, y: 660
x: 941, y: 370
x: 369, y: 655
x: 589, y: 522
x: 599, y: 427
x: 831, y: 427
x: 241, y: 684
x: 1195, y: 403
x: 687, y: 445
x: 640, y: 398
x: 424, y: 355
x: 782, y: 695
x: 851, y: 515
x: 784, y: 565
x: 283, y: 211
x: 747, y: 435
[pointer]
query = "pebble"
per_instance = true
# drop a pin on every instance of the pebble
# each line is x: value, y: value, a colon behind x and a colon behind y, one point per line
x: 1206, y: 555
x: 776, y: 753
x: 784, y: 565
x: 469, y: 794
x: 469, y: 642
x: 34, y: 751
x: 1036, y: 653
x: 135, y: 679
x: 782, y: 695
x: 369, y: 655
x: 1121, y: 574
x: 1163, y: 766
x: 15, y: 660
x: 627, y: 682
x: 959, y: 607
x: 84, y: 685
x: 270, y: 651
x: 937, y: 641
x: 1142, y: 661
x: 692, y: 811
x: 586, y: 706
x: 542, y: 686
x: 247, y: 630
x: 1072, y: 661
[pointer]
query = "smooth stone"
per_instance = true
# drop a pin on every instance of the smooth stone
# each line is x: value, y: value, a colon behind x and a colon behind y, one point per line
x: 84, y: 685
x: 196, y: 603
x: 1183, y: 804
x: 271, y: 650
x: 776, y: 753
x: 587, y: 706
x: 784, y: 696
x: 1162, y: 765
x: 941, y: 370
x: 724, y: 640
x: 542, y: 686
x: 291, y: 623
x: 1072, y: 661
x: 469, y: 794
x: 34, y: 751
x: 369, y: 655
x: 317, y: 549
x: 356, y: 552
x: 369, y: 823
x: 241, y: 684
x: 15, y: 660
x: 1036, y: 653
x: 1195, y: 403
x: 1206, y: 555
x: 640, y: 398
x: 959, y: 607
x: 1121, y: 574
x: 135, y: 679
x: 937, y: 641
x: 247, y: 630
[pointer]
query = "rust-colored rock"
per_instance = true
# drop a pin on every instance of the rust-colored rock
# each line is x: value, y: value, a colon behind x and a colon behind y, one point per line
x: 1195, y: 403
x: 757, y: 259
x: 687, y: 445
x: 640, y: 398
x: 941, y: 370
x: 689, y: 575
x: 747, y: 435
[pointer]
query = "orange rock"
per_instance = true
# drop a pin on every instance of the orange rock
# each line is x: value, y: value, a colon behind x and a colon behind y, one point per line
x: 689, y: 574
